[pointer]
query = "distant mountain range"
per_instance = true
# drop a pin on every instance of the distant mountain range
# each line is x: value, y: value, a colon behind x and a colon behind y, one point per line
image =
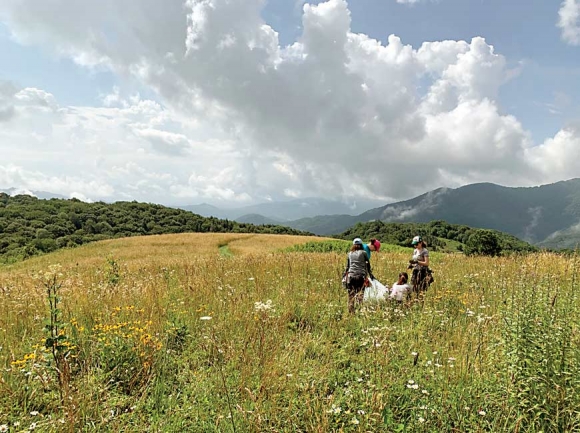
x: 39, y: 194
x: 547, y: 215
x: 277, y: 212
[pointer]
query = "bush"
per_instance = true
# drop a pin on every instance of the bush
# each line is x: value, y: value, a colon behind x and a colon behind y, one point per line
x: 482, y: 242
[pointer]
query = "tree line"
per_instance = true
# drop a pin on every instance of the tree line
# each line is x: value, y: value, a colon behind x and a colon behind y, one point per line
x: 30, y: 226
x: 441, y: 235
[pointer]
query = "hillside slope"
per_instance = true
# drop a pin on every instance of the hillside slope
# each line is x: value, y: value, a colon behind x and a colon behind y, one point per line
x: 535, y: 214
x: 30, y: 226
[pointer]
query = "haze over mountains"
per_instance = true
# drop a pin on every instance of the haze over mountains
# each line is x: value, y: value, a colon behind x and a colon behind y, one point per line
x: 45, y: 195
x: 281, y: 212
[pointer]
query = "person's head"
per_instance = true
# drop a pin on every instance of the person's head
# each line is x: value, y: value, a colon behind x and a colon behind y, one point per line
x: 403, y: 278
x: 417, y: 242
x: 357, y: 244
x: 375, y: 245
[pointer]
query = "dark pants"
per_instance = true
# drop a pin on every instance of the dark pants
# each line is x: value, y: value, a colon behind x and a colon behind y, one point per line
x: 419, y: 280
x: 356, y: 290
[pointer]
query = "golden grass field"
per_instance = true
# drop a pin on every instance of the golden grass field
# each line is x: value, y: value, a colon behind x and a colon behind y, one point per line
x: 167, y: 334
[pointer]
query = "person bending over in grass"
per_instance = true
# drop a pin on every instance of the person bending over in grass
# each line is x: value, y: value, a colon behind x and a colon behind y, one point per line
x: 401, y: 290
x: 358, y: 269
x: 373, y: 245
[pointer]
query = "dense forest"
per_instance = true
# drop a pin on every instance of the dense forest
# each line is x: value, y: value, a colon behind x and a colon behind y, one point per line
x: 31, y: 226
x: 440, y: 235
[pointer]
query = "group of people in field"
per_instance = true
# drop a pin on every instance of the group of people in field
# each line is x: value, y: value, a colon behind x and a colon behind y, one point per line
x: 358, y: 273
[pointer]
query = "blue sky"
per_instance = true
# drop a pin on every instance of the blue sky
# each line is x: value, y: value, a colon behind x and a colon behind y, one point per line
x: 184, y: 106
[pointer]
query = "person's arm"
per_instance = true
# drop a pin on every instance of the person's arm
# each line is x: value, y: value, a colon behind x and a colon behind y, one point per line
x: 347, y: 264
x: 424, y: 260
x: 369, y: 271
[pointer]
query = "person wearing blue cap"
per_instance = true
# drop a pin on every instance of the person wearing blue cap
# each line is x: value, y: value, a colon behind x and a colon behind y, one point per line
x: 358, y: 269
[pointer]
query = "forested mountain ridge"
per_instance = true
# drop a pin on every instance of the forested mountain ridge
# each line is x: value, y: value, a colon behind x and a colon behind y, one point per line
x: 546, y: 215
x: 31, y: 226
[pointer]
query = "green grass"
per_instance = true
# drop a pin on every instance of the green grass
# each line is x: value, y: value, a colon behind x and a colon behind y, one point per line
x: 336, y: 246
x: 262, y: 341
x: 225, y: 251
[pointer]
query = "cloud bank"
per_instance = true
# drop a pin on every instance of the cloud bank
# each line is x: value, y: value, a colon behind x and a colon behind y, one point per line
x: 239, y: 117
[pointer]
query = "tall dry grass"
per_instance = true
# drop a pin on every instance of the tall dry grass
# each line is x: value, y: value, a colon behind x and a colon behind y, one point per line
x: 167, y: 335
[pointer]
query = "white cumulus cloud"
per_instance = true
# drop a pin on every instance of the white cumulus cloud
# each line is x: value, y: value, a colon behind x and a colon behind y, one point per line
x: 241, y: 117
x: 569, y: 21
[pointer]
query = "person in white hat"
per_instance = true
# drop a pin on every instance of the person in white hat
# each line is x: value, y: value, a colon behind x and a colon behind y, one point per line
x: 420, y: 264
x: 358, y: 269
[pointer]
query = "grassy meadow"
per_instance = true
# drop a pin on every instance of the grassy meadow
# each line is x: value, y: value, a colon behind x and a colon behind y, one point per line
x: 238, y: 333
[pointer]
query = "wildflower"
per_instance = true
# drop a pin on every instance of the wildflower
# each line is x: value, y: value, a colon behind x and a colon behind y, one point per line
x: 360, y: 412
x: 264, y: 306
x: 410, y: 381
x: 3, y: 428
x: 334, y: 409
x: 414, y: 353
x: 34, y: 413
x: 421, y: 419
x: 482, y: 412
x: 425, y: 392
x: 32, y: 426
x: 355, y: 421
x: 205, y: 318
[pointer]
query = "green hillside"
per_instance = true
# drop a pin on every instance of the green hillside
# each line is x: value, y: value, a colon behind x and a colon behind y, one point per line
x: 439, y: 235
x: 31, y: 226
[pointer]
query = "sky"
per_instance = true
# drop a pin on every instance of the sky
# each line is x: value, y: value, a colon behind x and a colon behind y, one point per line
x: 236, y: 102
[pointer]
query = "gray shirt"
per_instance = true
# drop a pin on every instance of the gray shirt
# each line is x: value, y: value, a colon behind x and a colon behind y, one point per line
x: 357, y: 263
x: 420, y: 255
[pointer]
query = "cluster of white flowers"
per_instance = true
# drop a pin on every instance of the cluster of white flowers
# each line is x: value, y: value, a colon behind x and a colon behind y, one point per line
x: 264, y: 306
x: 412, y: 385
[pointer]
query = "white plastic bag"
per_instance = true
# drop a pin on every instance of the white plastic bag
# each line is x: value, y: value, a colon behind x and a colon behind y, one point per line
x: 375, y: 292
